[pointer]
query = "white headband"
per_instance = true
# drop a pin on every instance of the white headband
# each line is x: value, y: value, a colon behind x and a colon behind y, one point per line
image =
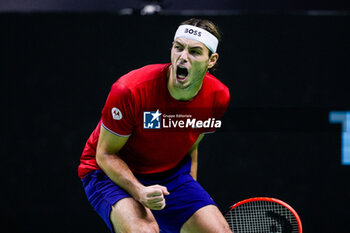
x: 198, y: 34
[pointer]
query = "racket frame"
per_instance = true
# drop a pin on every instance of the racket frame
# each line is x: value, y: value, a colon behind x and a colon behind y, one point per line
x: 271, y: 199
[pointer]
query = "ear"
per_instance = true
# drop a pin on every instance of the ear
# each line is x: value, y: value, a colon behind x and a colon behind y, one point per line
x: 212, y: 60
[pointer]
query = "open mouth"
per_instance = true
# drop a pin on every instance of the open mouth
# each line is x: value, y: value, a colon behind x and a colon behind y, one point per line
x: 181, y: 73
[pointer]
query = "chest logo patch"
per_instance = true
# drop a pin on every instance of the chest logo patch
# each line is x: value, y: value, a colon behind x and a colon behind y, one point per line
x: 151, y: 120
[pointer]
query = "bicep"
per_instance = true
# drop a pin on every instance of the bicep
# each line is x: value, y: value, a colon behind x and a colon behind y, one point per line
x: 109, y: 143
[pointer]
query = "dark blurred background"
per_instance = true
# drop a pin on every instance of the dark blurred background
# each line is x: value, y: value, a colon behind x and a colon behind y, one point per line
x: 179, y: 6
x: 286, y: 64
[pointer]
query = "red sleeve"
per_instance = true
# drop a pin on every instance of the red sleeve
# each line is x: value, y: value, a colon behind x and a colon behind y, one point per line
x: 118, y: 112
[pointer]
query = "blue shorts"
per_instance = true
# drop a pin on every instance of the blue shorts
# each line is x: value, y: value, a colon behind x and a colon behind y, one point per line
x: 186, y: 195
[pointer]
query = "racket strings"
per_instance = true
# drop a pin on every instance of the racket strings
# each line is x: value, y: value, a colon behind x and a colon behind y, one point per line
x: 261, y: 217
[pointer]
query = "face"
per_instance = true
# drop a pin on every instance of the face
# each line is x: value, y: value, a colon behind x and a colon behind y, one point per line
x: 189, y: 62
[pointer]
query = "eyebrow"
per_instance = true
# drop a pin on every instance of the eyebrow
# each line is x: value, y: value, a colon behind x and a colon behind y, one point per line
x: 194, y: 47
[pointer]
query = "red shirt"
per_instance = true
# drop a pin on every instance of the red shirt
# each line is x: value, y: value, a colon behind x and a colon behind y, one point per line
x: 162, y: 130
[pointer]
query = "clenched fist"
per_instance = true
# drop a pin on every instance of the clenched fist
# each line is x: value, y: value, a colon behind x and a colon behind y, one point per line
x: 153, y: 197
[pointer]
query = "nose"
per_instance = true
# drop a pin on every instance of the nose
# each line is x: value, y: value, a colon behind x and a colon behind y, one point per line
x: 184, y: 56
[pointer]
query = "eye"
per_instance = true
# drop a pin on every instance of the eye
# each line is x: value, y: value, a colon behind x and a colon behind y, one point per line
x: 178, y: 47
x: 195, y: 52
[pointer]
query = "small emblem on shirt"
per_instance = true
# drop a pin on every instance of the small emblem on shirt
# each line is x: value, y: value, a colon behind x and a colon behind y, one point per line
x: 151, y: 120
x: 117, y: 114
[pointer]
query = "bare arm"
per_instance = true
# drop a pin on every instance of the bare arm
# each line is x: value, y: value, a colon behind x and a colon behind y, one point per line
x: 118, y: 171
x: 194, y: 155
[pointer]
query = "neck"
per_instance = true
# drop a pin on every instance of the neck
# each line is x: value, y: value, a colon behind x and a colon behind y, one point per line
x: 182, y: 94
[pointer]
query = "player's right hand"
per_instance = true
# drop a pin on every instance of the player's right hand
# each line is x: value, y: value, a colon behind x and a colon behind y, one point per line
x: 153, y: 197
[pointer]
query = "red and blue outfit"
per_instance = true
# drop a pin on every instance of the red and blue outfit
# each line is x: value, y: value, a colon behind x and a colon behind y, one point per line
x: 156, y: 151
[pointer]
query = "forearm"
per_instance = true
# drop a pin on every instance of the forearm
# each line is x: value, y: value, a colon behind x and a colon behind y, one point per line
x: 194, y: 167
x: 194, y: 164
x: 119, y: 172
x: 194, y: 156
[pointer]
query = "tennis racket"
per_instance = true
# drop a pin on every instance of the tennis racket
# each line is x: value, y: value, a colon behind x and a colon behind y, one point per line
x: 263, y: 215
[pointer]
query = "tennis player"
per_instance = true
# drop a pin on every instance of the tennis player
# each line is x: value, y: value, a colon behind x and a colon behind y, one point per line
x: 139, y: 166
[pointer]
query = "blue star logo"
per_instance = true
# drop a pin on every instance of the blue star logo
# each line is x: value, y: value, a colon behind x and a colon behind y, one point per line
x: 151, y: 120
